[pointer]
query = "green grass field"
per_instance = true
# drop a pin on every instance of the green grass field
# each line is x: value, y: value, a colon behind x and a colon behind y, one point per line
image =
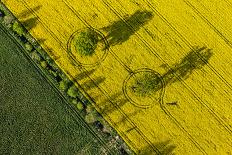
x: 34, y: 119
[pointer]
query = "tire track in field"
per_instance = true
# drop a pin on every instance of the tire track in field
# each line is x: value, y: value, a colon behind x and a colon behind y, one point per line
x: 220, y: 34
x: 180, y: 126
x: 175, y: 121
x: 76, y: 113
x: 187, y: 45
x: 58, y: 40
x: 203, y: 68
x: 104, y: 92
x: 212, y: 112
x: 161, y: 105
x: 135, y: 127
x: 220, y: 120
x: 186, y: 42
x: 216, y: 116
x: 228, y: 2
x: 209, y: 107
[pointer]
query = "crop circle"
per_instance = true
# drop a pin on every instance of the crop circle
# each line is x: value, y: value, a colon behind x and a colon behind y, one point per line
x: 94, y: 56
x: 144, y: 88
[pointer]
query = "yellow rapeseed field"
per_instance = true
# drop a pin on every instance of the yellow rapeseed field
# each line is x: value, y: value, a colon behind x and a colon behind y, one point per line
x: 185, y: 44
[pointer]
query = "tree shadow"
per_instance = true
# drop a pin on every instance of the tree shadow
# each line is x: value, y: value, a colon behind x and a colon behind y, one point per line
x: 41, y: 41
x: 161, y: 148
x: 30, y: 23
x: 28, y: 13
x: 115, y: 102
x: 112, y: 103
x: 197, y: 58
x: 125, y: 118
x: 92, y: 83
x: 84, y: 74
x: 121, y: 30
x: 28, y: 19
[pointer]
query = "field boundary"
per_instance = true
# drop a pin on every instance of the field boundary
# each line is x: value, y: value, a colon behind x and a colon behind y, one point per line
x: 53, y: 83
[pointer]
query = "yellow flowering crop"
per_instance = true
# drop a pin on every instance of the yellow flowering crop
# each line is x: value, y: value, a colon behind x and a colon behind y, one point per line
x: 184, y: 44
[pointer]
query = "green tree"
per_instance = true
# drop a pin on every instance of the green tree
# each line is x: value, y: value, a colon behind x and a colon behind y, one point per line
x: 73, y: 91
x: 17, y: 27
x: 35, y: 56
x: 86, y: 42
x: 89, y: 108
x: 63, y: 85
x: 28, y: 47
x: 145, y: 84
x: 43, y: 64
x: 74, y: 101
x: 8, y: 20
x: 80, y: 106
x: 91, y: 117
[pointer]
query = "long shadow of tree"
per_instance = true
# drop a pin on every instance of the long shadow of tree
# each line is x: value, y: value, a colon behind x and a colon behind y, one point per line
x: 120, y: 31
x: 92, y: 83
x: 163, y: 148
x: 30, y: 23
x: 113, y: 102
x: 27, y: 17
x: 84, y: 74
x: 28, y: 13
x: 195, y: 59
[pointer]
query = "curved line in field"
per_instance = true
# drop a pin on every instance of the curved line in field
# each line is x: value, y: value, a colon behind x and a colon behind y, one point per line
x: 120, y: 110
x: 140, y: 71
x: 76, y: 113
x: 51, y: 83
x: 216, y: 116
x: 78, y: 63
x: 81, y: 68
x: 185, y: 41
x: 164, y: 109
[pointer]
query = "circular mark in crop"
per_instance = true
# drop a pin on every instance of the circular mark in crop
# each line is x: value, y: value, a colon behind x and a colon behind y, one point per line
x: 94, y: 59
x: 144, y: 88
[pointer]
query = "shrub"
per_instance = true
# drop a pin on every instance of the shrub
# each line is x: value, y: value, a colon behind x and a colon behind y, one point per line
x: 63, y: 85
x: 90, y: 118
x: 36, y: 56
x: 8, y: 20
x: 52, y: 72
x: 17, y: 27
x: 43, y: 64
x: 80, y: 106
x: 74, y: 101
x: 73, y: 91
x: 86, y: 42
x: 89, y: 108
x: 54, y: 66
x: 28, y: 46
